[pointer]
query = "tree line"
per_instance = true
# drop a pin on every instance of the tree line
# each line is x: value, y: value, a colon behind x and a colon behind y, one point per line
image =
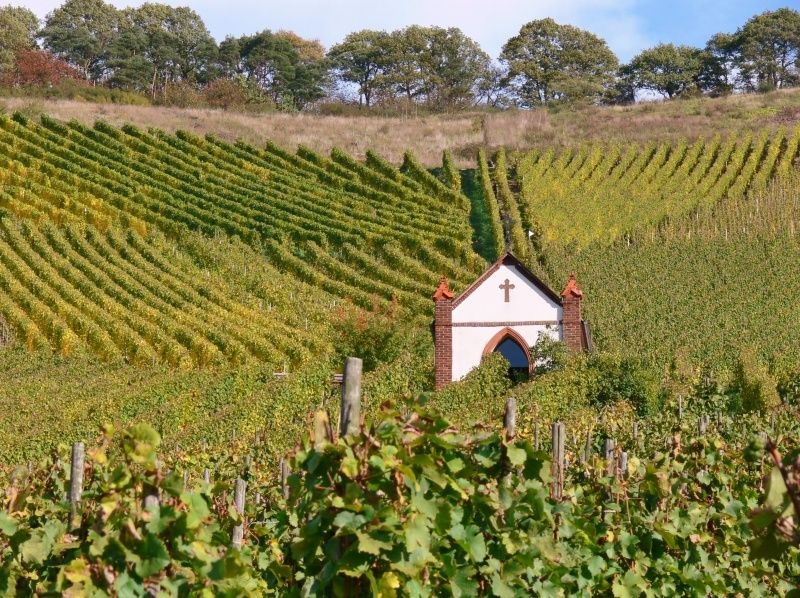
x: 168, y: 53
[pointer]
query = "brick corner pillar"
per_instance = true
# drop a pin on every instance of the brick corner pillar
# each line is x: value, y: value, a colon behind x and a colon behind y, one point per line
x: 571, y: 298
x: 443, y: 334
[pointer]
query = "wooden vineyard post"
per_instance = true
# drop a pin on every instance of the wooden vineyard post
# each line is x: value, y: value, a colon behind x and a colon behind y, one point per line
x: 322, y: 428
x: 559, y: 435
x: 237, y: 536
x: 680, y: 406
x: 509, y: 433
x: 206, y: 476
x: 350, y: 413
x: 623, y: 464
x: 702, y: 425
x: 284, y: 472
x: 510, y: 418
x: 608, y: 453
x: 764, y: 439
x: 76, y: 482
x: 587, y: 449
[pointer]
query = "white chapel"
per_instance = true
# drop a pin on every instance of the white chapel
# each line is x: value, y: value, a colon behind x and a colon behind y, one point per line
x: 505, y: 310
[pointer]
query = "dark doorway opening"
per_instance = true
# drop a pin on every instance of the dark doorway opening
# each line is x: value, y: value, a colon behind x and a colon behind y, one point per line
x: 517, y: 357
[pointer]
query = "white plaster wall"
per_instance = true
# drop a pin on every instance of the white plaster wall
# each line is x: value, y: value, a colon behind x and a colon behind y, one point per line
x: 487, y: 304
x: 469, y: 342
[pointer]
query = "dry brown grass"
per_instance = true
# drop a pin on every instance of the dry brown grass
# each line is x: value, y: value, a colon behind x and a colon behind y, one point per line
x: 462, y: 133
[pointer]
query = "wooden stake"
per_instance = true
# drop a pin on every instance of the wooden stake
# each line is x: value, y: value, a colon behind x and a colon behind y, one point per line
x: 608, y: 453
x: 510, y: 418
x: 322, y: 428
x: 587, y: 449
x: 237, y: 536
x: 285, y: 473
x: 559, y: 435
x: 76, y: 483
x: 350, y: 413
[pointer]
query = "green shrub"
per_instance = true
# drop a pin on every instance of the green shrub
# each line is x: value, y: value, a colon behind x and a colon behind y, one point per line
x: 450, y: 173
x: 560, y: 394
x: 789, y: 388
x: 480, y: 395
x: 757, y: 389
x: 549, y: 354
x: 624, y: 379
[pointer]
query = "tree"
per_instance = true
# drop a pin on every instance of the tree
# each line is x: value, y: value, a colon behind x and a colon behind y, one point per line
x: 548, y: 62
x: 81, y: 32
x: 308, y: 50
x: 310, y: 69
x: 361, y: 59
x: 403, y: 71
x: 491, y: 89
x: 769, y: 50
x: 274, y: 64
x: 158, y: 45
x: 18, y: 28
x: 453, y: 68
x: 667, y: 69
x: 196, y: 50
x: 623, y: 91
x: 717, y: 74
x: 35, y: 67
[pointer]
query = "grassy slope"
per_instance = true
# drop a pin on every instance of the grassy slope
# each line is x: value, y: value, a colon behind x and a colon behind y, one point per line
x: 66, y: 399
x: 462, y: 133
x: 705, y: 286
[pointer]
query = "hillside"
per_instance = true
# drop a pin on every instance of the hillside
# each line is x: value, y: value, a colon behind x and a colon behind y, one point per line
x: 681, y: 248
x: 300, y: 209
x: 229, y: 262
x: 462, y: 133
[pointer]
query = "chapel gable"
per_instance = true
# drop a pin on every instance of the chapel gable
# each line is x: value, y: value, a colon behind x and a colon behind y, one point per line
x: 505, y: 310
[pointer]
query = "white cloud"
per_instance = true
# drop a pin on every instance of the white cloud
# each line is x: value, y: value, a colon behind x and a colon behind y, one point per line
x: 489, y: 23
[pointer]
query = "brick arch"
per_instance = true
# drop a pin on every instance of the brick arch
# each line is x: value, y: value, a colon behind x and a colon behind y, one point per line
x: 503, y: 334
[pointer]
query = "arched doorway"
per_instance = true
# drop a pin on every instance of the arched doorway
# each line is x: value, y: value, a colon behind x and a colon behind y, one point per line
x: 513, y: 347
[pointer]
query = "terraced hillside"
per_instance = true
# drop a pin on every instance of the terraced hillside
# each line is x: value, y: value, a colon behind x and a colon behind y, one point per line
x: 602, y: 192
x: 122, y: 296
x: 327, y: 221
x: 680, y: 248
x: 118, y: 287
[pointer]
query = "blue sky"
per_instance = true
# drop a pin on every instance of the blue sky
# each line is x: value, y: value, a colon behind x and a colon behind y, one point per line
x: 627, y: 25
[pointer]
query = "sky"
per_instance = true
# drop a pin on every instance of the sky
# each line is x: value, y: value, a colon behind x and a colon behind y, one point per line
x: 628, y: 26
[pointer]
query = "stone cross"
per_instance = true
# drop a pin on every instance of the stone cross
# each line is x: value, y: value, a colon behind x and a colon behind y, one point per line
x: 507, y: 286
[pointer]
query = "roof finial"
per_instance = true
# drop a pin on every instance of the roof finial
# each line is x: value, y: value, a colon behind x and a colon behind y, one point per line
x: 572, y: 287
x: 443, y: 290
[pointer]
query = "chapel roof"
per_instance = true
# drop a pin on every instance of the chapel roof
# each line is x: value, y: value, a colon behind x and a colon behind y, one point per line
x: 508, y: 259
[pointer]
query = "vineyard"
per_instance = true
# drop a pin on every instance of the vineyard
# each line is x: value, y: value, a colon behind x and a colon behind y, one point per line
x: 180, y: 304
x: 598, y: 193
x: 360, y: 233
x: 702, y: 244
x: 410, y: 505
